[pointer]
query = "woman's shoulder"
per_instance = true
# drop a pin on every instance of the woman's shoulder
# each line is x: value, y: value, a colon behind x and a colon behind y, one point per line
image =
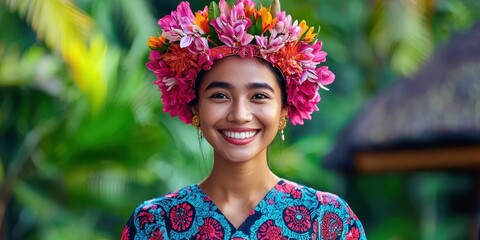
x: 323, y: 201
x: 168, y: 200
x: 148, y: 218
x: 297, y: 190
x: 333, y: 212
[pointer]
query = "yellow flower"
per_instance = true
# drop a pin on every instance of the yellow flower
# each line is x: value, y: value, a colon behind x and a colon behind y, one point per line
x: 309, y: 36
x: 201, y: 20
x: 267, y: 21
x: 156, y: 43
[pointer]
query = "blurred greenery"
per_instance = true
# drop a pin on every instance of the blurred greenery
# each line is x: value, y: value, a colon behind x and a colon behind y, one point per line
x: 83, y: 138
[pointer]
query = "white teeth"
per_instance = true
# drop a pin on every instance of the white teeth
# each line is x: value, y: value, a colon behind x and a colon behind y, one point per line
x: 239, y: 135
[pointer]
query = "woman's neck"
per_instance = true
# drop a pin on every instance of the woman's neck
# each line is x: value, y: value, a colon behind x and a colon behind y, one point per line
x: 237, y: 188
x: 240, y: 180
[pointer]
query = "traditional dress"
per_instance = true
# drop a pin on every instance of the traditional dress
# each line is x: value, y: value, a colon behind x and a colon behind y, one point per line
x: 288, y: 211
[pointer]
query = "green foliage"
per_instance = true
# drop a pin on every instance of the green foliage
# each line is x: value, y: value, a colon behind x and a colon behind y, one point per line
x: 83, y: 138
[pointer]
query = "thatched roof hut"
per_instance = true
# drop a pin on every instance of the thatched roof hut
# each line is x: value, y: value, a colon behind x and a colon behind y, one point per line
x: 430, y: 121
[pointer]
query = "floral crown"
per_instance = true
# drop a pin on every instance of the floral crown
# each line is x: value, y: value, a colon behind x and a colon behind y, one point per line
x: 190, y: 43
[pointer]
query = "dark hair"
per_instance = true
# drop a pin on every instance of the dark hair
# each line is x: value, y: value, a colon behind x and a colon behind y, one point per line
x: 276, y: 72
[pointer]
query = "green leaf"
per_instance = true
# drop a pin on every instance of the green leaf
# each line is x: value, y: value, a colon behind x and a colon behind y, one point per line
x: 213, y: 11
x: 318, y: 32
x: 230, y: 2
x: 258, y: 27
x: 253, y: 28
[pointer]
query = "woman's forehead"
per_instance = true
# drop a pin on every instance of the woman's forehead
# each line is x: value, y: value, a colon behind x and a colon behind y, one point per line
x: 239, y: 71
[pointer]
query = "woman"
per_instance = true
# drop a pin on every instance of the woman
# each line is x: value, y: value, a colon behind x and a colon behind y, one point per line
x: 237, y: 73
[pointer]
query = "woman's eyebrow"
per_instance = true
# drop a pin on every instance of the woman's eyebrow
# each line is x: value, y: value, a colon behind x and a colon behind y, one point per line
x: 218, y: 84
x: 250, y: 86
x: 261, y: 85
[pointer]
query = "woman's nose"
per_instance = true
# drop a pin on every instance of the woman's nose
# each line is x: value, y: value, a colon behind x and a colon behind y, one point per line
x: 240, y: 112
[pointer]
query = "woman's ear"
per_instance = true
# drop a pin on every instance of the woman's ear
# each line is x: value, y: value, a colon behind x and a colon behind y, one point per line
x: 194, y: 110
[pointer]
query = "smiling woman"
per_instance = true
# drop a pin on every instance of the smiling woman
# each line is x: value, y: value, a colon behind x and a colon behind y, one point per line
x: 239, y: 98
x: 237, y: 73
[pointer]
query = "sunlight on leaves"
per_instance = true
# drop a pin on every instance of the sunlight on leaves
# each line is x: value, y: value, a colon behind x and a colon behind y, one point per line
x: 88, y: 68
x: 401, y: 32
x: 66, y: 29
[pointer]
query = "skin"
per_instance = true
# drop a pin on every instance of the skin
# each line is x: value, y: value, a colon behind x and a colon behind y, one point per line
x: 239, y: 95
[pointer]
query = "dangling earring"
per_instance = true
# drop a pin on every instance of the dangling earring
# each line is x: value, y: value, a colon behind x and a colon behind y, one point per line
x: 196, y: 121
x: 282, y: 125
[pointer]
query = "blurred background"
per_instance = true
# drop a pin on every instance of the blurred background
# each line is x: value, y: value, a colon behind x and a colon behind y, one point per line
x: 83, y: 139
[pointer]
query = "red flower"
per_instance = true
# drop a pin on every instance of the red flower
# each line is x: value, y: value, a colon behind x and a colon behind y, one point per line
x: 211, y: 229
x: 296, y: 193
x: 328, y: 198
x: 157, y: 235
x: 289, y: 188
x: 270, y: 231
x: 181, y: 216
x: 353, y: 234
x: 297, y: 218
x: 183, y: 49
x: 125, y: 233
x: 332, y: 226
x: 315, y: 230
x: 181, y: 60
x: 145, y: 218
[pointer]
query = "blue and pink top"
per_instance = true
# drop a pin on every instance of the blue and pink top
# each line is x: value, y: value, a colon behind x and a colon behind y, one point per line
x: 288, y: 211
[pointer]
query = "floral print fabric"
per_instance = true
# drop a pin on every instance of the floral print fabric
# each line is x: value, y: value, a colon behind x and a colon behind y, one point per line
x: 288, y: 211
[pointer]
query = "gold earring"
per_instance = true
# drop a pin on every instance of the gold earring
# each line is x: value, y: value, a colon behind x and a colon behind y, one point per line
x: 282, y: 125
x: 196, y: 121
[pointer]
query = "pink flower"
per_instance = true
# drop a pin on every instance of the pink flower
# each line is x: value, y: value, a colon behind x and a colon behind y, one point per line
x: 248, y: 3
x: 224, y: 8
x: 294, y: 32
x: 232, y: 25
x: 325, y: 76
x: 269, y: 45
x: 183, y: 50
x: 183, y: 26
x: 172, y: 24
x: 319, y: 55
x: 302, y: 100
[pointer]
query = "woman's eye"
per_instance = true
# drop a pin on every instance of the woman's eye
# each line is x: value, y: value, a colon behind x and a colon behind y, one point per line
x: 260, y: 96
x: 219, y: 96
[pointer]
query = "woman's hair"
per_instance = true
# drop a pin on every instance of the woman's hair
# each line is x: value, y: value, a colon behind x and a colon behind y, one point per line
x: 276, y: 72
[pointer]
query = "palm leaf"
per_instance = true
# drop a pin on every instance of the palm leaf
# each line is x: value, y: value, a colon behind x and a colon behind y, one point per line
x: 66, y: 29
x: 401, y: 32
x: 55, y: 21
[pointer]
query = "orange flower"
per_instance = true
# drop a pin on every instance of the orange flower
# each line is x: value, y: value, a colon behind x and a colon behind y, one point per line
x: 201, y: 20
x: 288, y: 58
x: 267, y: 21
x: 250, y: 11
x: 309, y: 36
x: 180, y: 60
x: 156, y: 43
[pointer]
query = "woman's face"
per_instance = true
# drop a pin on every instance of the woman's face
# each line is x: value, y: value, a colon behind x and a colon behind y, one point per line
x: 239, y: 106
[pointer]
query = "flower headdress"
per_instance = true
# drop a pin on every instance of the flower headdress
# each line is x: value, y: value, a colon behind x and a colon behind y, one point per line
x: 192, y: 42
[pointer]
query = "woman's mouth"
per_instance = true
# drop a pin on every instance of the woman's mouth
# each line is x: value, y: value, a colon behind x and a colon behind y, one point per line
x: 239, y: 135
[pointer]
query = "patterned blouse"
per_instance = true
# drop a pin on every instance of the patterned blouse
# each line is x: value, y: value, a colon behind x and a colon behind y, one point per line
x: 288, y: 211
